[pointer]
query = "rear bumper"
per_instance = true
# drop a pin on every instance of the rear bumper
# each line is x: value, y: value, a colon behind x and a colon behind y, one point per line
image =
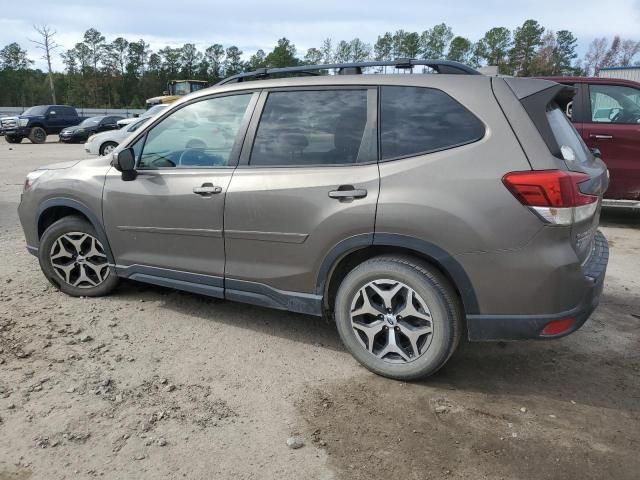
x: 523, y: 327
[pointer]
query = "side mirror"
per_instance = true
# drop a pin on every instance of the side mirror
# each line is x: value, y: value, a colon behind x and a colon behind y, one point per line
x: 596, y: 152
x: 125, y: 163
x: 136, y: 115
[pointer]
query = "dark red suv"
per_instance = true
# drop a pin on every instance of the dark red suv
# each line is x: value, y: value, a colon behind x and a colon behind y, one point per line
x: 606, y: 112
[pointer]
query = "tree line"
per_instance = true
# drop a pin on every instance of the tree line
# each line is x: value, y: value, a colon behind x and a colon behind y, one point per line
x: 123, y: 73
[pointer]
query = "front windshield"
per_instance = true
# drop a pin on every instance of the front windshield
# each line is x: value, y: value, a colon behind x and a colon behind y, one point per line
x: 135, y: 125
x: 90, y: 121
x: 39, y: 110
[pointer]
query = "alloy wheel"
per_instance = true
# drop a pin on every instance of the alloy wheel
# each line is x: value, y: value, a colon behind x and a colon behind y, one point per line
x: 79, y: 259
x: 391, y: 321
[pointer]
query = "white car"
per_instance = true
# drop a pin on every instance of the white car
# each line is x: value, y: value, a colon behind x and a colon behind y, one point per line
x: 104, y: 143
x: 149, y: 113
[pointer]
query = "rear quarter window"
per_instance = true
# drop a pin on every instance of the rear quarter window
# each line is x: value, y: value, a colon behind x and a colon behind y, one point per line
x: 572, y: 147
x: 417, y: 120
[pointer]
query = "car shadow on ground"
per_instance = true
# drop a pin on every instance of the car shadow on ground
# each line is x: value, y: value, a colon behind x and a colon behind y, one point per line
x: 555, y: 369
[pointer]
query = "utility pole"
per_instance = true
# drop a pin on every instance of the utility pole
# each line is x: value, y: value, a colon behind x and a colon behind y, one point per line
x: 47, y: 44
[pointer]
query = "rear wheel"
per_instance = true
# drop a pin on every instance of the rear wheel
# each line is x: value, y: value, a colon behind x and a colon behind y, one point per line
x: 37, y: 135
x: 399, y: 317
x: 74, y: 260
x: 12, y: 139
x: 107, y: 147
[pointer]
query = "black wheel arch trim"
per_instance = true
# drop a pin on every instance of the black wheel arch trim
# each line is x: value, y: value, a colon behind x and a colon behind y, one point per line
x: 83, y: 209
x: 435, y: 253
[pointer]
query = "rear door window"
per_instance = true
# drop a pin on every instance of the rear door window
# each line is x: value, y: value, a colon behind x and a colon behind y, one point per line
x: 417, y: 120
x: 314, y: 127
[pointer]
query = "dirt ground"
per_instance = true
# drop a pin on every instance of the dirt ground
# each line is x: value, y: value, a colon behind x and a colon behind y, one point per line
x: 155, y: 383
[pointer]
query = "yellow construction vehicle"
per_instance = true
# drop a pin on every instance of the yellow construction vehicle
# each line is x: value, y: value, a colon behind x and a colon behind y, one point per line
x: 176, y: 89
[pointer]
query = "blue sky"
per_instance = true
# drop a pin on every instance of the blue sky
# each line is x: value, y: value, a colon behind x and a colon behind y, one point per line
x: 253, y: 24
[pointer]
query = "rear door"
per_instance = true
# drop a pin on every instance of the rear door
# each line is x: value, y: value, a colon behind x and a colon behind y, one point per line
x: 613, y: 127
x: 308, y: 179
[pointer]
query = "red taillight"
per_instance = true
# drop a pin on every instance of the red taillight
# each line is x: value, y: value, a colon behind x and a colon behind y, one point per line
x: 548, y: 188
x: 556, y: 327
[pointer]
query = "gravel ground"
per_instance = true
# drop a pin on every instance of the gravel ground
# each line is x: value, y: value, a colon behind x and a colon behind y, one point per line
x: 155, y: 383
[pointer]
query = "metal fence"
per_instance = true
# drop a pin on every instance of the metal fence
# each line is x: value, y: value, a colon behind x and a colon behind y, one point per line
x: 83, y: 112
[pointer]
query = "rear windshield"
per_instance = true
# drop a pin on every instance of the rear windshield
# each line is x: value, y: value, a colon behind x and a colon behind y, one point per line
x: 572, y: 148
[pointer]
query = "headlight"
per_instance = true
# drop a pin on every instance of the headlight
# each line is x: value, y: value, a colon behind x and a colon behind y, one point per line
x: 31, y: 178
x: 90, y: 139
x: 23, y: 122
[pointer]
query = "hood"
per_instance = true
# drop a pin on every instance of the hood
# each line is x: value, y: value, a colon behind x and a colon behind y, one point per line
x: 59, y: 165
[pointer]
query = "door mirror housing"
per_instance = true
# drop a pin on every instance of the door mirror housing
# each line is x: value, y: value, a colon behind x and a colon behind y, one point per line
x: 125, y: 162
x: 596, y: 152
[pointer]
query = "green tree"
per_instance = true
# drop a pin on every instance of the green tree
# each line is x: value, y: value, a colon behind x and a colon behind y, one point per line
x: 360, y: 51
x: 526, y: 41
x: 434, y: 42
x: 215, y: 58
x: 460, y: 49
x: 383, y: 47
x: 313, y: 56
x: 327, y: 51
x: 233, y: 61
x: 494, y: 47
x: 410, y: 46
x: 343, y: 52
x: 13, y: 57
x: 283, y: 55
x: 564, y: 54
x: 257, y: 60
x: 190, y: 58
x: 170, y: 60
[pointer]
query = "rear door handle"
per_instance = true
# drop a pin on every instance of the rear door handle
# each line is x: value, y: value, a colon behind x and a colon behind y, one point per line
x: 347, y: 191
x: 207, y: 189
x: 600, y: 136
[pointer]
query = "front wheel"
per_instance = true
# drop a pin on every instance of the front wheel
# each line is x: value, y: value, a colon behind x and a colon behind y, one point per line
x: 12, y: 139
x: 74, y: 260
x: 398, y: 316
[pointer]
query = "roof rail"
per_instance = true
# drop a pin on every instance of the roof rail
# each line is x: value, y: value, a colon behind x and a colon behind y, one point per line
x: 440, y: 66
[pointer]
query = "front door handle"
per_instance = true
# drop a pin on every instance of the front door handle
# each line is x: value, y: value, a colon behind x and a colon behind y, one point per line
x: 207, y: 189
x: 345, y: 192
x: 600, y: 136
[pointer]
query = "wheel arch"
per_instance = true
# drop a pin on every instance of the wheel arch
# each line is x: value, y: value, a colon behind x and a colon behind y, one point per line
x: 54, y: 209
x: 355, y: 250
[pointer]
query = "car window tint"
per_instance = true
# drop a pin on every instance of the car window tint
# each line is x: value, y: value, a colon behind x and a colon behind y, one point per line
x: 320, y: 127
x: 614, y: 104
x: 572, y: 147
x: 421, y: 120
x: 199, y: 135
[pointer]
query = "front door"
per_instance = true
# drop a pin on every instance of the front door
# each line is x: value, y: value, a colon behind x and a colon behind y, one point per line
x: 613, y: 127
x: 308, y: 179
x: 168, y: 221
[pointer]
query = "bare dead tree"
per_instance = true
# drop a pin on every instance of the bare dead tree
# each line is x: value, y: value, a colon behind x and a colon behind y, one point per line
x: 47, y: 44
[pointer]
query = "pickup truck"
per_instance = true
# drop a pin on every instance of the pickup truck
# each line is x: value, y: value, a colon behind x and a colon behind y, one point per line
x: 37, y: 122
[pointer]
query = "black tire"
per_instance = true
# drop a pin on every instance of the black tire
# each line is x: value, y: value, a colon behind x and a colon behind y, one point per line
x: 12, y: 139
x: 73, y: 226
x: 431, y: 287
x: 105, y: 146
x: 38, y: 135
